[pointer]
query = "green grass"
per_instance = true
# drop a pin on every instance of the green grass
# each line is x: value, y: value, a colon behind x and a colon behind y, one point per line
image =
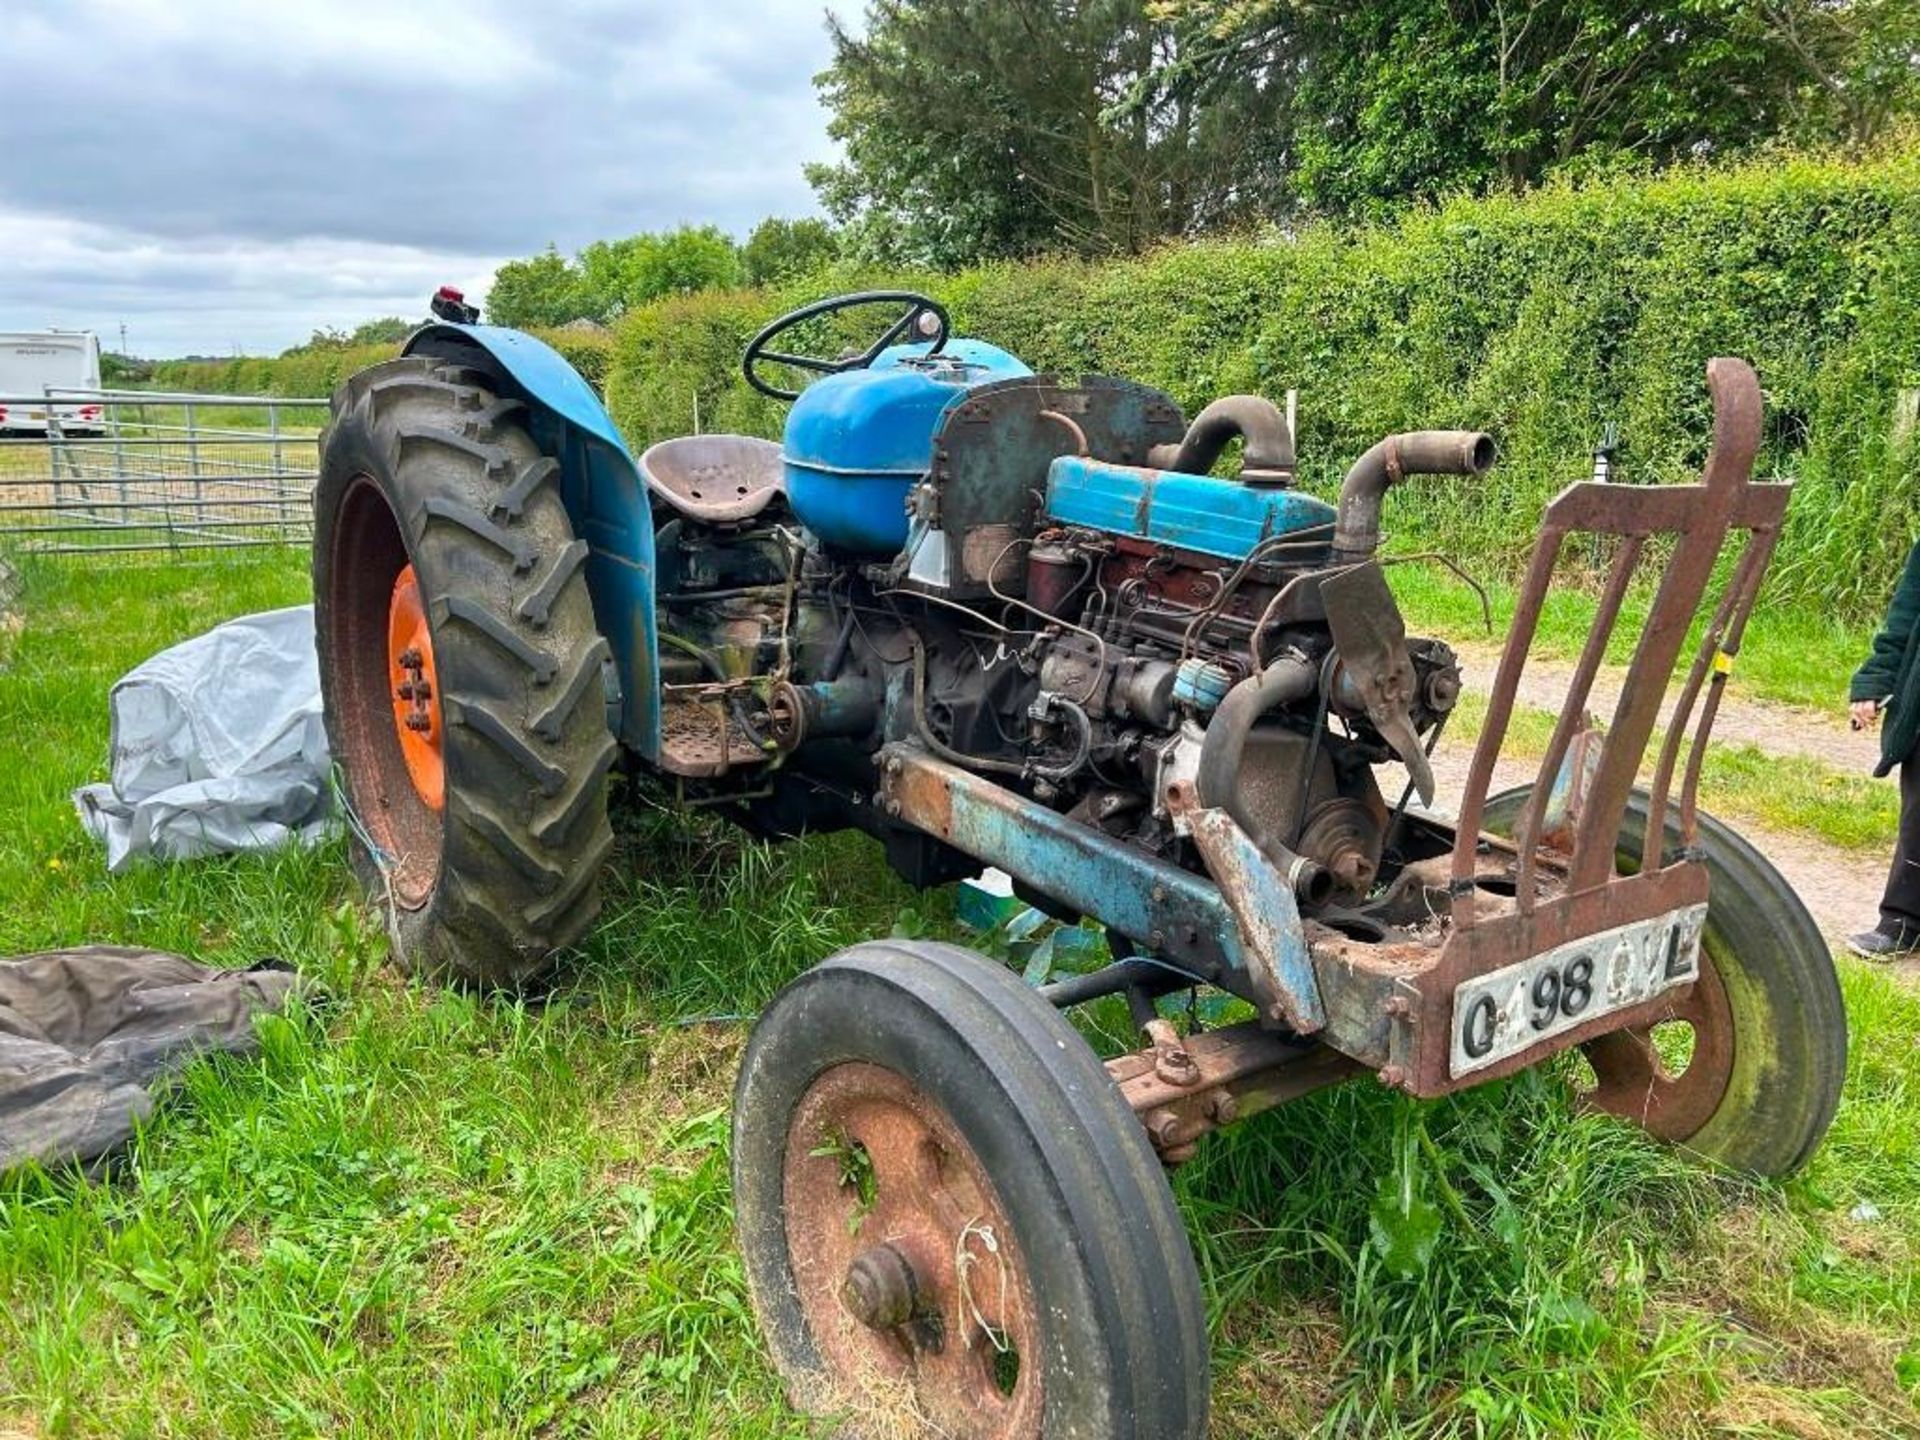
x: 1791, y: 793
x: 421, y: 1214
x: 1789, y: 656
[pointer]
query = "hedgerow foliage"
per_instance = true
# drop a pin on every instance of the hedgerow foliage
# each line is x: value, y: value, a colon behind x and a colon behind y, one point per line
x: 1540, y: 317
x: 315, y: 371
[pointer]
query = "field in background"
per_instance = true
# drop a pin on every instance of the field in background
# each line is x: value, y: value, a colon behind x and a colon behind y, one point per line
x: 170, y: 472
x: 423, y: 1214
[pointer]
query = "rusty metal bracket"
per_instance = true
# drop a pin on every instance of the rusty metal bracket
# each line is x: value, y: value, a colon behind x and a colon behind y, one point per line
x: 1233, y: 1074
x: 1700, y: 517
x: 1562, y: 883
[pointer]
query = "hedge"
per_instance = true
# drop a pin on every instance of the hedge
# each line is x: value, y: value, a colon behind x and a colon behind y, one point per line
x: 1540, y: 317
x: 317, y: 372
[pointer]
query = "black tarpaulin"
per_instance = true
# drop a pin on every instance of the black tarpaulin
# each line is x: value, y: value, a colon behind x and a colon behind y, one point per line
x: 86, y: 1034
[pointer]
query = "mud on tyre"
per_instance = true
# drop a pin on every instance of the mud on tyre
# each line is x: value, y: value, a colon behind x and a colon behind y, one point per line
x: 462, y: 672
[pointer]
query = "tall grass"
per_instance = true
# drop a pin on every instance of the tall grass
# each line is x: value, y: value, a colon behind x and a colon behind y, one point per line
x: 418, y: 1213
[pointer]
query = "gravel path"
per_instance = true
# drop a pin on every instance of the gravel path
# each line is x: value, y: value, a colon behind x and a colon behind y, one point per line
x: 1774, y: 728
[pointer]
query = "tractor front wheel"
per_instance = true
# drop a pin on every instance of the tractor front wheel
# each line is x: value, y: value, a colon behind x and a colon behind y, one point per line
x: 462, y: 673
x: 1747, y: 1069
x: 952, y: 1224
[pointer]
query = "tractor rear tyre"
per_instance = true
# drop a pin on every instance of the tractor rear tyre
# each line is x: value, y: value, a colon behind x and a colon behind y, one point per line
x: 951, y: 1222
x: 1752, y: 1075
x: 462, y: 673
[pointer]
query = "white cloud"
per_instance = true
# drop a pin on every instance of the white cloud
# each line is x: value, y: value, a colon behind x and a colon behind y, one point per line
x: 311, y: 39
x: 212, y: 297
x: 244, y: 171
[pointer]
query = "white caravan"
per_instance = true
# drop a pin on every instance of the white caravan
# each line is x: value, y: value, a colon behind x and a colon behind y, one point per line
x: 31, y: 363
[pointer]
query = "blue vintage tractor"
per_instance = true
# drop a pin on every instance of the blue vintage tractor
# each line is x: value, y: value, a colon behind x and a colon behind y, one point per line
x: 994, y: 618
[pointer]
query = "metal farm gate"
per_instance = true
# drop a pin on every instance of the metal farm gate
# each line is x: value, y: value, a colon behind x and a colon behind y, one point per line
x: 134, y: 470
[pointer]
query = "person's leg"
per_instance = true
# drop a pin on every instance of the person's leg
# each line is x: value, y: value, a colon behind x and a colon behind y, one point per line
x: 1900, y: 906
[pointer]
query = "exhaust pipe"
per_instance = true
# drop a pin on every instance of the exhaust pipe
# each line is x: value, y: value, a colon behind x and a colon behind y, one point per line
x: 1268, y: 458
x: 1356, y: 529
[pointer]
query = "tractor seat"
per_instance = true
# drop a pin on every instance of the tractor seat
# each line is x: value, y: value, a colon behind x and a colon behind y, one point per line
x: 719, y: 479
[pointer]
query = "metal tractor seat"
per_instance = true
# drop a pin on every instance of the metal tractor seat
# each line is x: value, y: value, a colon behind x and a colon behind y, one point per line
x: 720, y: 479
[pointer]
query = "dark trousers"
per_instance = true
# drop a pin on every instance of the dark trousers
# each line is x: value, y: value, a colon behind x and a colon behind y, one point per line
x: 1900, y: 906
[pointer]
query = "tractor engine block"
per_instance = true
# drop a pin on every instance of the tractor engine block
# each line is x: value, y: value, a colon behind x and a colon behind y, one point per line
x: 1083, y: 615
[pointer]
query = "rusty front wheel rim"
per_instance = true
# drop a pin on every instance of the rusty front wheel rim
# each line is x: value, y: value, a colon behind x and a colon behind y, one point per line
x: 1635, y: 1083
x: 403, y: 833
x: 877, y: 1173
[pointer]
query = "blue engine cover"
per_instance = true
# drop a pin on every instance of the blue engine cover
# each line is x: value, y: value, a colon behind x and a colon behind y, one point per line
x: 1188, y: 512
x: 857, y: 442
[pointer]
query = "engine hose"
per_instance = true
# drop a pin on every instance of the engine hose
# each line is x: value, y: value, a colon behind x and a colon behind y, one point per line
x: 1292, y: 677
x: 925, y: 731
x: 841, y: 643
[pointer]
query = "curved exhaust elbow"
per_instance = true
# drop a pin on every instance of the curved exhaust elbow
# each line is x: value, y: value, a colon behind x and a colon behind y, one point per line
x: 1268, y: 458
x: 1356, y: 529
x: 1290, y: 679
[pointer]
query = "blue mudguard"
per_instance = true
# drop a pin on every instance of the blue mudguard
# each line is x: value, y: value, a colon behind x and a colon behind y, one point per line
x: 604, y: 496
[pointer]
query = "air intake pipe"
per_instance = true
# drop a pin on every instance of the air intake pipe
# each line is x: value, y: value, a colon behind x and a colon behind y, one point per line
x: 1356, y: 528
x: 1268, y: 457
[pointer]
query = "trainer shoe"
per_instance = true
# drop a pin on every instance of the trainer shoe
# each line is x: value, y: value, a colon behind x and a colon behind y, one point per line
x: 1877, y: 945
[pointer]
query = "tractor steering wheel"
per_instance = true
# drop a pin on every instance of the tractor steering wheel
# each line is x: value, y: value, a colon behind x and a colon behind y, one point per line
x: 925, y: 317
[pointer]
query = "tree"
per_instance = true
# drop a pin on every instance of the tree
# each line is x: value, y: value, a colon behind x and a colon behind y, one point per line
x: 544, y: 290
x: 975, y: 128
x: 117, y: 370
x: 387, y: 330
x: 384, y: 331
x: 611, y: 276
x: 1392, y: 99
x: 679, y: 262
x: 1860, y: 61
x: 779, y: 249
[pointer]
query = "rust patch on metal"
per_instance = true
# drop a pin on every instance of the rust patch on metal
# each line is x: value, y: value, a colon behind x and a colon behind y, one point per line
x: 1700, y: 517
x: 905, y: 1262
x: 988, y: 554
x: 1228, y: 1075
x: 699, y: 737
x: 1494, y: 903
x: 919, y: 795
x: 1635, y: 1081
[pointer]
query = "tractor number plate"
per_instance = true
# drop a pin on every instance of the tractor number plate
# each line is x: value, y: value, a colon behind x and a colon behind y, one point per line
x: 1528, y: 1004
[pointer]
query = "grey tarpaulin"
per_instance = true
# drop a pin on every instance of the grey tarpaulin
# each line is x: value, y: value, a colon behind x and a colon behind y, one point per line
x: 85, y: 1033
x: 217, y: 746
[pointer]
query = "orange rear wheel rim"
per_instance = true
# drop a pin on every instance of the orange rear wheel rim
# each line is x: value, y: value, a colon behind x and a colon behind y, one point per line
x: 414, y: 687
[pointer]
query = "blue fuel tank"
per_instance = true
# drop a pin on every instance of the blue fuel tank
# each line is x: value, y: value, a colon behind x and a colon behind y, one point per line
x: 856, y: 443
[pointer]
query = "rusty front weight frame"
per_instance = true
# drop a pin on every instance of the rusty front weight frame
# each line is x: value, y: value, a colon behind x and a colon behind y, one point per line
x: 1577, y: 892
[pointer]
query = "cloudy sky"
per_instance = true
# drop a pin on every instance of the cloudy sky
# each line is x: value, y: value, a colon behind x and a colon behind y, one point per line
x: 222, y: 174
